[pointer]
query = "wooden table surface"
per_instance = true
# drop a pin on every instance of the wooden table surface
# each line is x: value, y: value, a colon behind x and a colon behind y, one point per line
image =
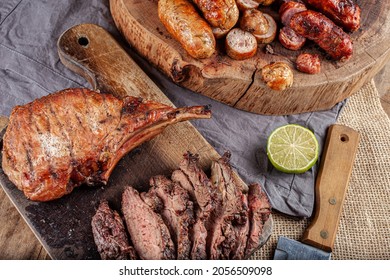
x: 17, y: 241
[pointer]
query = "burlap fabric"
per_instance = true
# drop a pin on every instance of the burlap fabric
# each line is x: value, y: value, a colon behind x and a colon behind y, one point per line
x: 364, y: 230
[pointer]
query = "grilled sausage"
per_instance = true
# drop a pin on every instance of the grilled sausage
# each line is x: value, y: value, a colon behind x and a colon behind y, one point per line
x: 277, y: 75
x: 240, y: 44
x: 308, y: 63
x: 328, y: 36
x: 247, y: 4
x: 219, y: 13
x: 219, y: 32
x: 185, y: 24
x: 291, y: 40
x: 345, y: 13
x: 253, y: 21
x: 288, y: 9
x: 272, y: 31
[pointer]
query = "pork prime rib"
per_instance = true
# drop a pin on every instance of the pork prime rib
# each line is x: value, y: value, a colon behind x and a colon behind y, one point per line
x: 77, y: 136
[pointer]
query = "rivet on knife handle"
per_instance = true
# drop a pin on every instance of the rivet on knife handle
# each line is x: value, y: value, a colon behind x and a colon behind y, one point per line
x: 331, y: 186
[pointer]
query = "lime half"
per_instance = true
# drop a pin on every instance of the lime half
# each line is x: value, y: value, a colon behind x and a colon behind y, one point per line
x: 292, y: 148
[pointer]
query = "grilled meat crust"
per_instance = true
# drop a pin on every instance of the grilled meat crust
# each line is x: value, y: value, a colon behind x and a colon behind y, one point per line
x: 110, y: 235
x: 259, y: 212
x: 77, y: 136
x: 177, y: 212
x: 148, y: 232
x: 230, y: 218
x: 193, y: 179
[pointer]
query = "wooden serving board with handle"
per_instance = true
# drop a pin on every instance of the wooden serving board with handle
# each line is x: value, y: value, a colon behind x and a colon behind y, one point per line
x: 238, y: 83
x: 63, y: 225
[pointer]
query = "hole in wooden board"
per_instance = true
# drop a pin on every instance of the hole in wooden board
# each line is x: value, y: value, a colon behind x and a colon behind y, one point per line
x: 344, y: 138
x: 83, y: 41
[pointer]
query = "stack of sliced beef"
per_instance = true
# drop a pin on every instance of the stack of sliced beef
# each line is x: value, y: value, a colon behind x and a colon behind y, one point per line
x: 187, y: 216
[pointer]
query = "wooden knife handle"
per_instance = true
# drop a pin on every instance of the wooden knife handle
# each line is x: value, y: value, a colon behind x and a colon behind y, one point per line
x: 92, y: 52
x: 331, y: 186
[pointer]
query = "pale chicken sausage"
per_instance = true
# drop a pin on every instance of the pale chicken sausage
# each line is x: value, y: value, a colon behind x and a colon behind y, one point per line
x: 185, y: 24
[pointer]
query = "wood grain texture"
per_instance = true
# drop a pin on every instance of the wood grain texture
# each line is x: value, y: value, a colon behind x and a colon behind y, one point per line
x: 331, y: 186
x: 382, y: 82
x: 17, y: 241
x: 238, y: 83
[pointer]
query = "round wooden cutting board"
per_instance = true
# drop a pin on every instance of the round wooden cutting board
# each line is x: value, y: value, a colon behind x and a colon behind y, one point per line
x: 239, y: 83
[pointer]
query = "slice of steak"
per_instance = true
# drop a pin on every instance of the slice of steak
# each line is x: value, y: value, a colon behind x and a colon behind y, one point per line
x: 230, y: 217
x: 241, y: 232
x: 181, y: 178
x: 198, y: 236
x: 192, y: 178
x: 259, y: 212
x: 177, y: 212
x: 77, y: 136
x: 231, y: 189
x: 110, y: 236
x: 150, y: 235
x: 153, y: 201
x: 201, y: 184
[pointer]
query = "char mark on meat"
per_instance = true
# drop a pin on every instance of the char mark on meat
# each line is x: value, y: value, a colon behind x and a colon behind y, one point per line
x: 177, y: 212
x: 110, y: 236
x: 259, y: 212
x: 150, y: 235
x: 77, y: 136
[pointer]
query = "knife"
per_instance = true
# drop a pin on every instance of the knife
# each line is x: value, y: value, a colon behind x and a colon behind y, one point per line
x: 330, y: 190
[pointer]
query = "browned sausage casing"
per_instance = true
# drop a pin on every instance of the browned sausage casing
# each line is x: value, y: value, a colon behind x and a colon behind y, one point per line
x: 308, y: 63
x: 185, y: 24
x: 219, y: 13
x: 288, y: 9
x: 323, y: 31
x: 291, y: 40
x: 346, y: 13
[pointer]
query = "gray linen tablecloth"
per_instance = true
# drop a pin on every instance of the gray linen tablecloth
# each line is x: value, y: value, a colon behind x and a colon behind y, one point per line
x: 30, y: 68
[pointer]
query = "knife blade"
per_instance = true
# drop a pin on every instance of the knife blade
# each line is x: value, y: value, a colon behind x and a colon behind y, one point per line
x: 330, y: 189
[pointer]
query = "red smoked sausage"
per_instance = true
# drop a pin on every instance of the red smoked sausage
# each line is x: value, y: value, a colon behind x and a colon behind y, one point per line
x: 345, y: 13
x: 323, y: 31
